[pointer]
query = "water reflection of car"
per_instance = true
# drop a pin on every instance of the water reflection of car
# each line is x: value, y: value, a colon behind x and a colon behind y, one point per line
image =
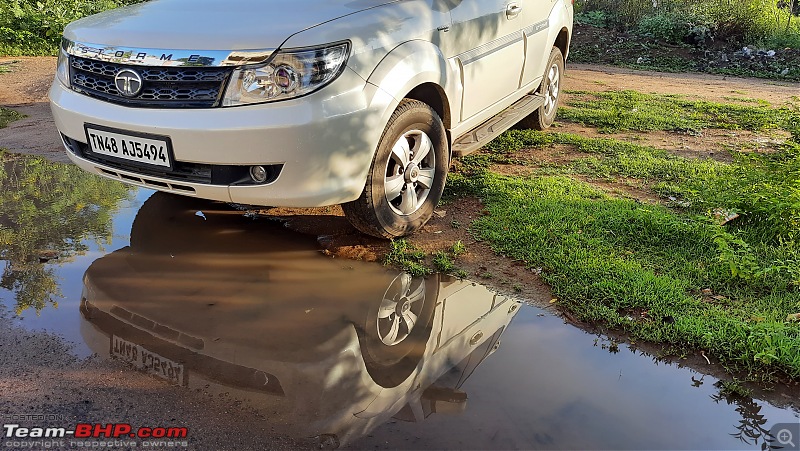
x: 331, y: 348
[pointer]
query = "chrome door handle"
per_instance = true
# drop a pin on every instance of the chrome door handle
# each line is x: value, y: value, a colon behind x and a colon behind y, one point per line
x: 513, y: 10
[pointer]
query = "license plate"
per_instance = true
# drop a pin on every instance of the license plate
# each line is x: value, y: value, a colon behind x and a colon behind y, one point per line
x: 138, y: 148
x: 150, y: 362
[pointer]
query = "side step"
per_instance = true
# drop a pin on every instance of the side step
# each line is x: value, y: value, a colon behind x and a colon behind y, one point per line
x: 494, y: 127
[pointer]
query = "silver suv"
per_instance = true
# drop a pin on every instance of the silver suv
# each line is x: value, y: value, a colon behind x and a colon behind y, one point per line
x: 306, y: 103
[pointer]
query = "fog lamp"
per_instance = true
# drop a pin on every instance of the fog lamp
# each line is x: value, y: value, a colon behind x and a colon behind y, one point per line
x: 258, y: 174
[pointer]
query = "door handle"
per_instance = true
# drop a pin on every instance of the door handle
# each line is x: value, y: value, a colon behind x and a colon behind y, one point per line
x: 513, y: 10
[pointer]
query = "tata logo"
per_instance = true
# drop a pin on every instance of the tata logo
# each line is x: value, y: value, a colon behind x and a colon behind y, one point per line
x: 128, y: 82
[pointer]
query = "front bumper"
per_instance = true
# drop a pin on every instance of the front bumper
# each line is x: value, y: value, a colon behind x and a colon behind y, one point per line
x: 324, y: 143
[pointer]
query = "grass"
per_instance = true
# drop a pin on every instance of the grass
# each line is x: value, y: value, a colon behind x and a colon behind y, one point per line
x: 443, y: 263
x: 7, y: 67
x: 670, y: 273
x: 416, y: 262
x: 8, y: 116
x: 615, y: 111
x: 407, y: 257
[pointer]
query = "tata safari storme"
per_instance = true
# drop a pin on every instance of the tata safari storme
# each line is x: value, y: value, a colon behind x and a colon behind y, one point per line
x: 306, y: 103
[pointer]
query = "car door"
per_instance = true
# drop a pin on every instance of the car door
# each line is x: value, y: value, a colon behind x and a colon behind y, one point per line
x: 535, y: 18
x: 486, y: 39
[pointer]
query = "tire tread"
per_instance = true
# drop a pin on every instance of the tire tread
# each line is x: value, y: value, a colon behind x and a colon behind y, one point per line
x: 360, y: 212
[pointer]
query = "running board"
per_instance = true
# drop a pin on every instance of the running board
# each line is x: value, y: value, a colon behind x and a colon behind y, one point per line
x: 494, y: 127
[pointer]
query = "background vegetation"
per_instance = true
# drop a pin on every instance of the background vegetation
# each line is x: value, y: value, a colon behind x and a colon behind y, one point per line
x: 754, y: 38
x: 766, y: 23
x: 33, y: 27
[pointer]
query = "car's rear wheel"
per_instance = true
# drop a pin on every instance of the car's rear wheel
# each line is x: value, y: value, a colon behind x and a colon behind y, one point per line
x: 407, y: 176
x: 550, y: 89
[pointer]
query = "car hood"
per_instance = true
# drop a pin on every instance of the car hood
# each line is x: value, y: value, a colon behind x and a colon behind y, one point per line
x: 211, y: 24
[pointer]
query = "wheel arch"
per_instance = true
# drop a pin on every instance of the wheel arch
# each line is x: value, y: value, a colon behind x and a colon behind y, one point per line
x: 562, y: 42
x: 434, y: 96
x: 417, y: 70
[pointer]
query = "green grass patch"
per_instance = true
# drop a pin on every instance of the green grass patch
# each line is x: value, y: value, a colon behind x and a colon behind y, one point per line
x: 616, y: 111
x: 7, y: 67
x: 681, y: 274
x: 641, y: 268
x: 443, y: 263
x: 407, y: 257
x: 8, y: 116
x: 763, y: 189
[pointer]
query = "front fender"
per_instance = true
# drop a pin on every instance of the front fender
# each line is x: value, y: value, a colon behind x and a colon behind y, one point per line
x: 410, y: 65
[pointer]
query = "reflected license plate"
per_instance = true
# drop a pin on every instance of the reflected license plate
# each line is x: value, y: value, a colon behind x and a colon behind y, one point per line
x: 138, y: 148
x: 150, y: 362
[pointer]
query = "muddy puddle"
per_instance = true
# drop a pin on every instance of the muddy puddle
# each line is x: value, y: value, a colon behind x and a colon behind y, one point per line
x: 335, y: 352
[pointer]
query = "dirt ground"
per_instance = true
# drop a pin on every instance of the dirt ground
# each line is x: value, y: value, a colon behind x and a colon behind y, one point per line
x: 24, y: 83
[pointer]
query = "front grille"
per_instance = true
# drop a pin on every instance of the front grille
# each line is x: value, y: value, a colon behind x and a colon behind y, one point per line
x: 163, y: 87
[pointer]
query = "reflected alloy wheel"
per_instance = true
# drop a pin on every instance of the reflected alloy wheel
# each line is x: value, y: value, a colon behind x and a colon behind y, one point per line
x: 400, y: 309
x: 394, y: 336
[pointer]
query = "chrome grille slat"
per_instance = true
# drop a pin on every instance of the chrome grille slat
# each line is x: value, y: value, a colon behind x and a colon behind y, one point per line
x: 165, y: 87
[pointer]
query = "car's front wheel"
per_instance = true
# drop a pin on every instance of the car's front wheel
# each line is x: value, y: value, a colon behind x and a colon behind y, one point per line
x: 407, y: 176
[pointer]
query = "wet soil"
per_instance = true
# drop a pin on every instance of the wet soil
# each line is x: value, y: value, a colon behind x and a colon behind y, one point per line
x: 41, y: 376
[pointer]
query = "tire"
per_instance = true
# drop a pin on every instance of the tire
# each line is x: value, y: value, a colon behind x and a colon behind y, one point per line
x: 543, y: 118
x: 402, y: 189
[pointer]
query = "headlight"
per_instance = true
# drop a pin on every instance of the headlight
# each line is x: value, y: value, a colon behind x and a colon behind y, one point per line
x: 62, y: 71
x: 288, y: 74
